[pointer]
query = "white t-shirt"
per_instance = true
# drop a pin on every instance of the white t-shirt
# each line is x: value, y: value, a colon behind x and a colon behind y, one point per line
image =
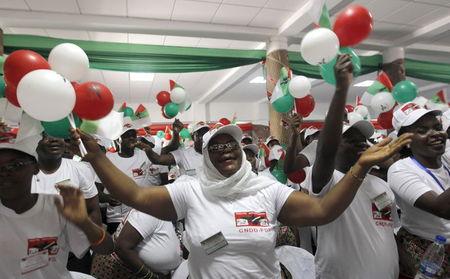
x: 160, y: 248
x: 35, y: 231
x: 360, y: 243
x: 136, y: 167
x: 79, y: 174
x: 188, y: 160
x: 248, y: 224
x: 310, y: 152
x: 409, y: 182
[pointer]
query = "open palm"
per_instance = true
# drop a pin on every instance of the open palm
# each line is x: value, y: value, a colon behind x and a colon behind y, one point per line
x: 73, y: 205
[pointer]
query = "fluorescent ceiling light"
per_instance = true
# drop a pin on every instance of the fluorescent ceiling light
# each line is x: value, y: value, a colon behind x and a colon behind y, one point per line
x: 141, y: 76
x: 258, y: 79
x: 365, y: 83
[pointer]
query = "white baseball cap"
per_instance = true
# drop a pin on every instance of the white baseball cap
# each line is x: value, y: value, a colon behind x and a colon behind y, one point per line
x: 392, y: 54
x: 232, y: 130
x: 446, y: 120
x: 310, y: 131
x: 408, y: 114
x: 269, y: 139
x: 27, y: 145
x: 199, y: 125
x: 276, y: 153
x: 252, y: 147
x: 365, y: 127
x: 245, y: 136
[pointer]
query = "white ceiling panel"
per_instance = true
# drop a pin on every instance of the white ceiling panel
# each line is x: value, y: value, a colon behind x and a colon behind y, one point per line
x: 382, y: 8
x: 409, y: 13
x: 194, y: 11
x: 28, y: 31
x: 287, y: 5
x: 140, y: 93
x: 243, y: 45
x: 435, y: 2
x: 94, y: 75
x: 116, y: 78
x: 213, y: 43
x: 145, y: 39
x: 121, y: 93
x: 252, y: 3
x: 245, y: 91
x: 189, y: 80
x: 13, y: 4
x: 150, y: 8
x: 270, y: 18
x: 181, y: 41
x: 206, y: 82
x: 61, y: 6
x: 103, y: 7
x: 68, y: 34
x: 109, y: 37
x: 431, y: 17
x: 385, y: 30
x: 235, y: 15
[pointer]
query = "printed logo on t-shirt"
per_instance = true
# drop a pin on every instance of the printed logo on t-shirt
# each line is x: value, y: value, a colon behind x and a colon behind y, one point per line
x: 138, y: 172
x: 383, y: 218
x: 36, y: 245
x: 251, y: 219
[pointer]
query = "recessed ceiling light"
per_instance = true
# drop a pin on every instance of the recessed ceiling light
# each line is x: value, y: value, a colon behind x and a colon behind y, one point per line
x: 365, y: 83
x: 258, y: 79
x: 142, y: 76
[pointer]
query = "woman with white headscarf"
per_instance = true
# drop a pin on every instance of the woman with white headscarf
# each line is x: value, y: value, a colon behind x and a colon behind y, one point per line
x: 231, y: 213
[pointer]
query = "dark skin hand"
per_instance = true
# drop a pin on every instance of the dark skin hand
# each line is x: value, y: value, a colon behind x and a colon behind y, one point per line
x: 294, y: 161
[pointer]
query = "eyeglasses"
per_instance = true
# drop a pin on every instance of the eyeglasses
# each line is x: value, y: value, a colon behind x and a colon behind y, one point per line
x: 14, y: 166
x: 223, y: 147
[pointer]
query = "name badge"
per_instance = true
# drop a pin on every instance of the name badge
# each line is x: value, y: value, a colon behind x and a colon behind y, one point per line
x: 382, y: 201
x: 34, y: 262
x: 214, y: 243
x: 191, y: 172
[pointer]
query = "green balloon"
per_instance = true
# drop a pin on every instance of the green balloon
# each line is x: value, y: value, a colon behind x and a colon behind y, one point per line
x: 2, y: 61
x: 171, y: 110
x: 2, y: 87
x: 128, y: 112
x: 279, y: 175
x: 405, y: 91
x: 160, y: 134
x: 60, y: 128
x: 327, y: 70
x: 284, y: 104
x: 184, y: 133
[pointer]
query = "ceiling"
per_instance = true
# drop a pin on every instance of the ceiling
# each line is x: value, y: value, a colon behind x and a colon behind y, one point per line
x: 421, y: 26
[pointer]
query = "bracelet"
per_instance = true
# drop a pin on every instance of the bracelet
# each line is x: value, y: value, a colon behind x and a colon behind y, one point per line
x: 140, y: 269
x: 100, y: 240
x: 352, y: 174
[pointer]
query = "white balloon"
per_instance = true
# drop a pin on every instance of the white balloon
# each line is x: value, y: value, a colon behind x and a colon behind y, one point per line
x: 69, y: 60
x: 354, y: 117
x: 366, y: 99
x: 319, y: 46
x: 299, y: 86
x: 46, y: 95
x: 362, y: 110
x: 178, y: 95
x: 382, y: 102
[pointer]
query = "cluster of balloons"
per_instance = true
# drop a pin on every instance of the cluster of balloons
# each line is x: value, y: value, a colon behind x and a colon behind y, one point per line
x: 321, y: 45
x: 43, y: 89
x: 177, y: 101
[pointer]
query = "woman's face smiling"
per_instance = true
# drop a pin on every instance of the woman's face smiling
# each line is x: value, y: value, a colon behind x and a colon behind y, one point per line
x: 225, y: 154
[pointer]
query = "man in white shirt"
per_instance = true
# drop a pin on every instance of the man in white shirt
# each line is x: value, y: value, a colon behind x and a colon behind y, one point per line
x: 446, y: 127
x: 187, y: 159
x: 360, y: 243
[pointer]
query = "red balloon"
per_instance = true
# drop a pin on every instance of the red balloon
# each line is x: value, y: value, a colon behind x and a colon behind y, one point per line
x: 297, y: 176
x: 168, y: 136
x: 75, y: 84
x: 349, y: 108
x: 305, y: 106
x: 11, y: 95
x: 94, y: 100
x: 21, y: 62
x: 353, y: 25
x: 163, y: 98
x: 385, y: 119
x: 225, y: 121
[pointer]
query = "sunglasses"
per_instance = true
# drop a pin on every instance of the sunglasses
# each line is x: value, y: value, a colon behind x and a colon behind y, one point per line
x: 16, y: 166
x: 223, y: 147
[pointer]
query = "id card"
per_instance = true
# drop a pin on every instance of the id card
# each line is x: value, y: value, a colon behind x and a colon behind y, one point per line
x: 191, y: 172
x: 214, y: 243
x: 34, y: 262
x: 382, y: 201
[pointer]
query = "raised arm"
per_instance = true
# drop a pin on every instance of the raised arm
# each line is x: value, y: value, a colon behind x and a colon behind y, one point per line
x: 177, y: 126
x: 303, y: 210
x: 293, y: 160
x: 155, y: 201
x: 330, y: 136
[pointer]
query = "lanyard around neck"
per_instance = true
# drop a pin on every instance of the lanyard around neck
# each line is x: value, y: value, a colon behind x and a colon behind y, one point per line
x: 430, y: 173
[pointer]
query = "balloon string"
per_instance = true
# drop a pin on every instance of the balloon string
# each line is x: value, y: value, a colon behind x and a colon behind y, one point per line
x: 83, y: 150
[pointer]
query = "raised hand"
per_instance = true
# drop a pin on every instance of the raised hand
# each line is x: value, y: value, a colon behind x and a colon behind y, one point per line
x: 177, y: 125
x: 89, y: 142
x: 343, y: 71
x: 73, y: 205
x: 293, y: 122
x: 384, y: 150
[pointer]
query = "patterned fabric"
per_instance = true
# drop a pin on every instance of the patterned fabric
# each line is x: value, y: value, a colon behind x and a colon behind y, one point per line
x: 287, y: 236
x: 108, y: 267
x: 410, y: 251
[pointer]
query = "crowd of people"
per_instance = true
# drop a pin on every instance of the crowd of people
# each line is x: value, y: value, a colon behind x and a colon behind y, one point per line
x: 369, y: 210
